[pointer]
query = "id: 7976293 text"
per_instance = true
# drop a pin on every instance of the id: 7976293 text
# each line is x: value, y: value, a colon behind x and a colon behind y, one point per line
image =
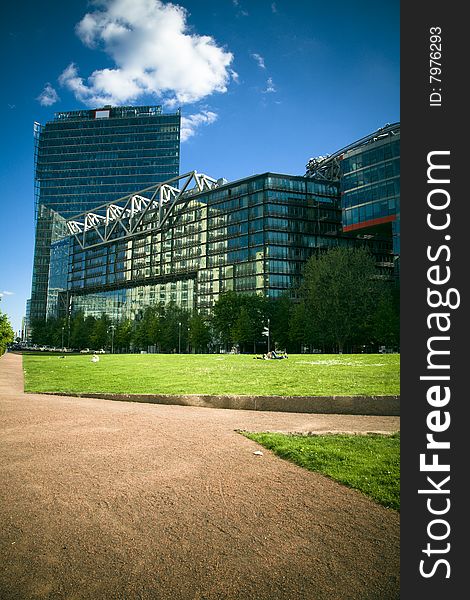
x: 435, y: 65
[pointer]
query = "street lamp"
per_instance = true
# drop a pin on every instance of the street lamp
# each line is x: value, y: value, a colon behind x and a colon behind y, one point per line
x: 63, y: 327
x: 179, y: 337
x: 267, y: 332
x: 112, y: 338
x: 269, y: 337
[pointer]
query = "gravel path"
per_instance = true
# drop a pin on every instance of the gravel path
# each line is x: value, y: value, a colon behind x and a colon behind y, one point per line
x: 107, y: 500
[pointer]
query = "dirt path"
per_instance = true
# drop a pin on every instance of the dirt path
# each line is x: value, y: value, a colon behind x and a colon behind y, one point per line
x: 107, y: 500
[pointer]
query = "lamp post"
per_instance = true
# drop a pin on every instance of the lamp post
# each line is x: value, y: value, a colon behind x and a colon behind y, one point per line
x: 269, y: 337
x: 62, y: 347
x: 179, y: 337
x: 112, y: 338
x: 267, y: 333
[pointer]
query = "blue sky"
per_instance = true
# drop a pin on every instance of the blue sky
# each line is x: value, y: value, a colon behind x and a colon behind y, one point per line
x: 263, y: 86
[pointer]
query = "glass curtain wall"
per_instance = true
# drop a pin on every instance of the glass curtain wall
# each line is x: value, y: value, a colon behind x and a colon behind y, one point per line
x: 87, y: 158
x: 249, y: 236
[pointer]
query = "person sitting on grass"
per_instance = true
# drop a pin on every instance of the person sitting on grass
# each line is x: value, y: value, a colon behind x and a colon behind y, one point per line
x: 272, y: 355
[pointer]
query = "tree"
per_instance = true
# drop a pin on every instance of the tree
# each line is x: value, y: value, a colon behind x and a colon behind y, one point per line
x: 174, y: 328
x: 99, y: 332
x: 340, y: 292
x: 199, y: 333
x: 245, y: 328
x: 300, y: 330
x: 141, y: 337
x: 164, y: 326
x: 225, y: 314
x: 239, y: 318
x: 77, y: 328
x: 385, y: 325
x: 39, y: 332
x: 280, y: 310
x: 123, y: 335
x: 7, y: 334
x: 81, y: 331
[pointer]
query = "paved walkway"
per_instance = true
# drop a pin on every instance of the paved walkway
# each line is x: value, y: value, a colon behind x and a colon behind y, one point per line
x: 107, y: 500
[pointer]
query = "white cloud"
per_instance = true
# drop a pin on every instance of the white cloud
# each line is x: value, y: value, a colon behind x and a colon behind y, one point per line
x: 241, y: 12
x: 259, y: 59
x: 6, y: 293
x: 234, y: 75
x: 190, y: 124
x: 270, y: 87
x: 154, y: 53
x: 48, y: 96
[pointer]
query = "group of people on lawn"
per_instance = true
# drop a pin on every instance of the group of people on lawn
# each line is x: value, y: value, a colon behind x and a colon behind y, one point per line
x: 272, y: 355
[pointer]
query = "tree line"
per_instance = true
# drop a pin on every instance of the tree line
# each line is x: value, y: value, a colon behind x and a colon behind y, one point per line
x: 343, y: 304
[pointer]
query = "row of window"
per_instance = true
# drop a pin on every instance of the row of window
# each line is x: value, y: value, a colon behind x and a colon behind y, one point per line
x: 300, y: 212
x: 128, y: 175
x: 378, y: 153
x: 376, y: 191
x: 369, y: 175
x: 70, y: 157
x: 104, y: 139
x: 45, y: 152
x: 301, y: 185
x: 100, y: 128
x: 104, y: 165
x: 370, y: 211
x: 106, y: 192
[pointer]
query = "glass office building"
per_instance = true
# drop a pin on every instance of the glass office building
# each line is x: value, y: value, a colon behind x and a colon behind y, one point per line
x: 250, y: 236
x: 370, y: 188
x: 87, y: 158
x: 368, y: 174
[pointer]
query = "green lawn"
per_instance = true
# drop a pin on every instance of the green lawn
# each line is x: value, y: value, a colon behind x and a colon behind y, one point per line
x: 299, y: 375
x: 369, y: 463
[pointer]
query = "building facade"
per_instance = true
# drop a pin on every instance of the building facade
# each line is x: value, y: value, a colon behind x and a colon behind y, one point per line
x: 87, y: 158
x: 190, y: 238
x: 249, y: 236
x: 368, y: 174
x: 370, y: 187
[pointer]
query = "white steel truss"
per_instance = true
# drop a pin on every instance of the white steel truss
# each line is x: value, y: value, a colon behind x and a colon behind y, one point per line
x: 124, y: 218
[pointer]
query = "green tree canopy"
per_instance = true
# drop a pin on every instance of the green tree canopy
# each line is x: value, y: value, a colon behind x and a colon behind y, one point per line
x: 123, y: 335
x: 7, y: 334
x: 199, y: 333
x: 341, y: 291
x: 240, y: 318
x: 224, y: 315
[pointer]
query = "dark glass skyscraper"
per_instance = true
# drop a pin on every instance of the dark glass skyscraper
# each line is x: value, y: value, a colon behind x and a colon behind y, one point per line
x: 87, y: 158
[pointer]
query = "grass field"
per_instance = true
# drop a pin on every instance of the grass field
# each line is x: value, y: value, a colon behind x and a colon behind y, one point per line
x: 299, y: 375
x: 368, y: 463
